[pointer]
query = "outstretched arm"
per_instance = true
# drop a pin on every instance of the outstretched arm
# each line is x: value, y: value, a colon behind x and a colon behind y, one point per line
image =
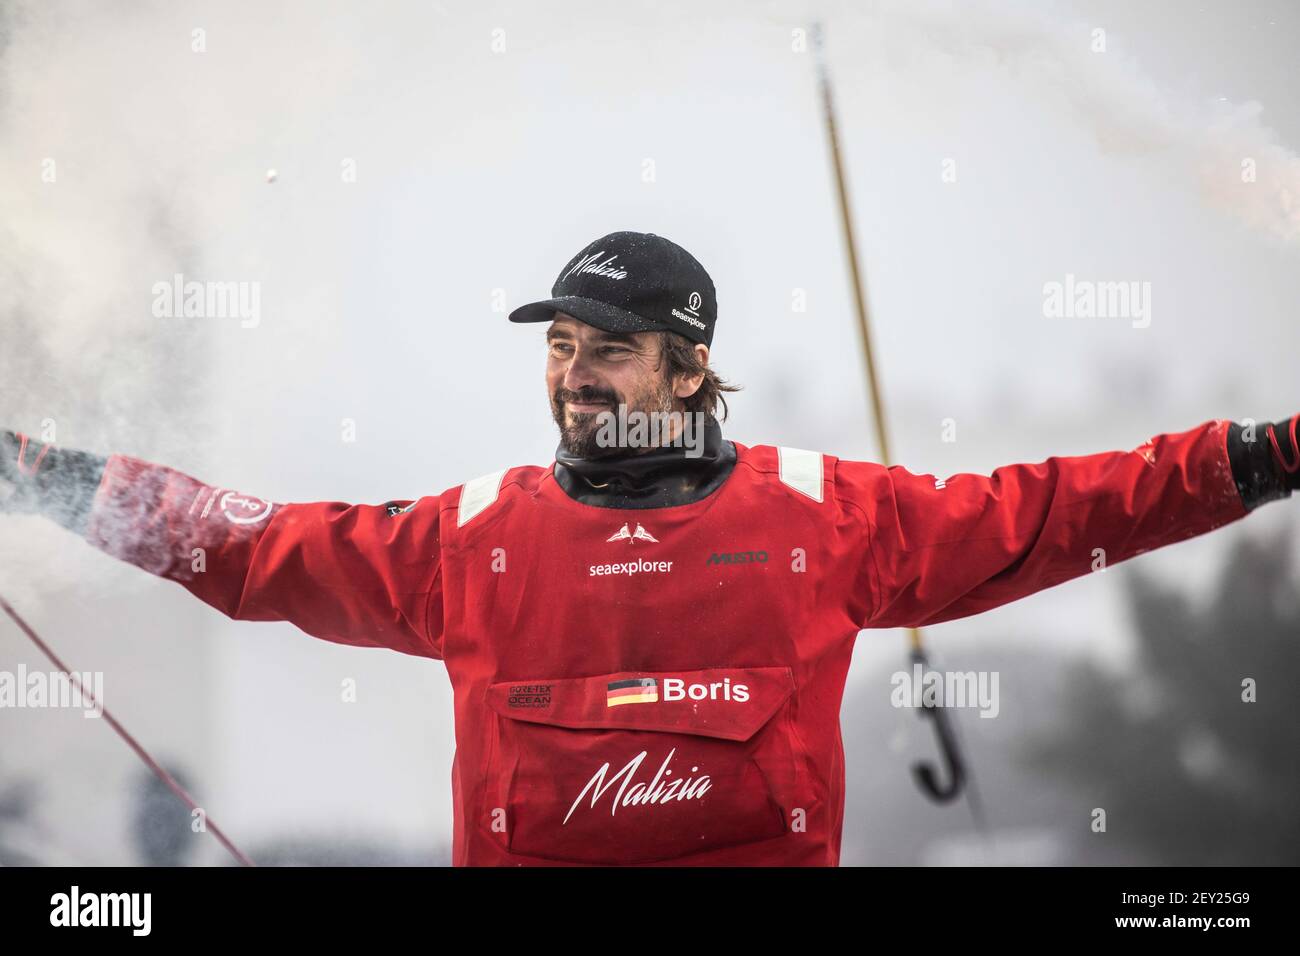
x: 944, y: 550
x: 353, y: 574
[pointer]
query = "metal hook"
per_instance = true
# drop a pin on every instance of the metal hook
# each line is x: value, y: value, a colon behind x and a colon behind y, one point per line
x: 927, y: 777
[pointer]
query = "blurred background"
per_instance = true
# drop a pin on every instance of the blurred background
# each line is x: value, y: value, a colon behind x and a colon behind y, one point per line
x: 435, y: 164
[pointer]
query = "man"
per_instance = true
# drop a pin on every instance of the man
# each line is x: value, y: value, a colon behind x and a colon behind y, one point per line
x: 648, y: 639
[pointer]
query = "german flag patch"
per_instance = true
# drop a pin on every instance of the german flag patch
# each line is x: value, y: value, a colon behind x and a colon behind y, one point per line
x: 638, y: 690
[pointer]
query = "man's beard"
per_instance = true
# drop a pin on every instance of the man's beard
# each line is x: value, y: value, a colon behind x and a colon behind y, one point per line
x: 580, y: 434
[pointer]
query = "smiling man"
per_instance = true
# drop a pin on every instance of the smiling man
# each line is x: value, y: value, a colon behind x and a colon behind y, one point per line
x: 648, y: 639
x: 604, y: 397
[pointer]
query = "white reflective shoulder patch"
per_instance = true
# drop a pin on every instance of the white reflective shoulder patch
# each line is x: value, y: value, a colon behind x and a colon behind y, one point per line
x: 802, y: 471
x: 477, y: 495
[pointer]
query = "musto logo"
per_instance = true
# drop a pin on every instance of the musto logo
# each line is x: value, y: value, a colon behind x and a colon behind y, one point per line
x: 659, y: 790
x: 738, y: 557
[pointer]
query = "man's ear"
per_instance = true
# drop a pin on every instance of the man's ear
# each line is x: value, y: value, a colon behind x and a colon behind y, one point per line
x: 688, y: 385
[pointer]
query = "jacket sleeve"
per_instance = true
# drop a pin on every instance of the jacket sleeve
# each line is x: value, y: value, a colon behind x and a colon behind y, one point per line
x: 367, y: 575
x: 941, y: 550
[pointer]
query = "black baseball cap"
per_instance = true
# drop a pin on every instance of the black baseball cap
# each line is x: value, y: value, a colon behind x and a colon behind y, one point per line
x: 632, y: 282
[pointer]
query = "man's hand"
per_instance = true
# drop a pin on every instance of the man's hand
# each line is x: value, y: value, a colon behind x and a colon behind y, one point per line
x: 36, y: 478
x: 1284, y: 442
x: 16, y: 488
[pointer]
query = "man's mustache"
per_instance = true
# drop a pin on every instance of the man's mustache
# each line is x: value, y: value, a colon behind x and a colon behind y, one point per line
x: 584, y: 396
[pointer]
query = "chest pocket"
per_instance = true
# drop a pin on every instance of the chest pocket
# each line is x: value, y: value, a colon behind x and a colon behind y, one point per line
x: 637, y: 767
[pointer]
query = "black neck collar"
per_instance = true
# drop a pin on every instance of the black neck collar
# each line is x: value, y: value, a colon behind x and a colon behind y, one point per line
x: 660, y: 478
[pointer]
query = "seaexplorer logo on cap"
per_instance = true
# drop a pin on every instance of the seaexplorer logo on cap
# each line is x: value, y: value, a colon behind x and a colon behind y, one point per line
x: 632, y: 282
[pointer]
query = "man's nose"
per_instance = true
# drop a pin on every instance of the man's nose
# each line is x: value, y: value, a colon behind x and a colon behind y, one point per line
x: 579, y: 373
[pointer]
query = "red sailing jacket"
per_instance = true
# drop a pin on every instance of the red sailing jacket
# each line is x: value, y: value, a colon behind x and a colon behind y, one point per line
x: 663, y: 685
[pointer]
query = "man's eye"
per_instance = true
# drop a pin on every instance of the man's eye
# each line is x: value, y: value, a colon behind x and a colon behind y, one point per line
x: 615, y: 350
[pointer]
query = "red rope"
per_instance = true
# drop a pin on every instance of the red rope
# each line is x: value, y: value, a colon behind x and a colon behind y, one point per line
x: 1289, y: 467
x: 143, y: 754
x: 25, y: 469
